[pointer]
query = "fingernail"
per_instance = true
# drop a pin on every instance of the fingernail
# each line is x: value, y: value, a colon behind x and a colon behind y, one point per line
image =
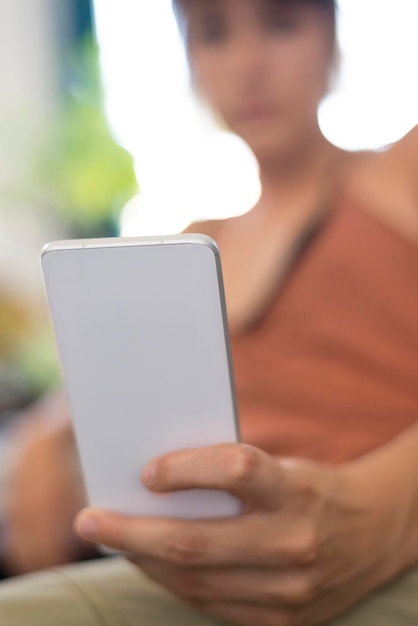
x: 87, y: 528
x: 149, y: 475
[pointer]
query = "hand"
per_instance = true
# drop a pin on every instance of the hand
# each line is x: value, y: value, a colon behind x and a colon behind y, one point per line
x: 45, y: 493
x: 312, y: 541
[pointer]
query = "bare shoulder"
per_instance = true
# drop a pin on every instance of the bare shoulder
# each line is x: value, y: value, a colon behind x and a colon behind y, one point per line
x: 211, y: 228
x: 406, y: 151
x: 399, y: 156
x: 402, y: 157
x: 408, y: 146
x: 386, y: 183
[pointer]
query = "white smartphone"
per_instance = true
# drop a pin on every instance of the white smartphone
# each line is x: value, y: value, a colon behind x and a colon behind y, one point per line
x: 142, y: 334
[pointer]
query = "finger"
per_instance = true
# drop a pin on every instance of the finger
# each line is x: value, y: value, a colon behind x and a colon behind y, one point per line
x: 275, y: 588
x: 248, y: 615
x: 222, y: 542
x: 244, y: 471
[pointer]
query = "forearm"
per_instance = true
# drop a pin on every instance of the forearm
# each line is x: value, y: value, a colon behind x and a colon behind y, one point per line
x: 389, y: 478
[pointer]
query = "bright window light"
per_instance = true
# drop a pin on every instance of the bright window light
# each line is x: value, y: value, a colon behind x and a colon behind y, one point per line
x: 187, y: 168
x: 376, y: 97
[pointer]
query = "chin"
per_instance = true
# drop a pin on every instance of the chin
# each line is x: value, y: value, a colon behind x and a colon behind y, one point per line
x: 277, y: 143
x: 270, y: 147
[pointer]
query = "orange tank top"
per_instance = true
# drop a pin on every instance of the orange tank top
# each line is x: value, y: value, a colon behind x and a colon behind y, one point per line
x: 331, y: 370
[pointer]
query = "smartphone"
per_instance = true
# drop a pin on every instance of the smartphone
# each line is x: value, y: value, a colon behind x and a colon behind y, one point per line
x: 142, y: 335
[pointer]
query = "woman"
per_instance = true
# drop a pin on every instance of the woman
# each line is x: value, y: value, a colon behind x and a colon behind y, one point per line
x: 320, y: 281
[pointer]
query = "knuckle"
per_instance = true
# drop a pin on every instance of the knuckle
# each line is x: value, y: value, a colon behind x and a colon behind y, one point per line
x: 308, y: 547
x: 305, y: 489
x: 243, y: 464
x: 185, y: 549
x: 295, y: 592
x: 299, y: 593
x: 304, y: 546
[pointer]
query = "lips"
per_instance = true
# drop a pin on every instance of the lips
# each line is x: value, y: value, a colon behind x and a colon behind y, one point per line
x: 256, y: 112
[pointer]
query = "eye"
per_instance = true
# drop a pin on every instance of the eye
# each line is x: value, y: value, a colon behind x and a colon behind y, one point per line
x: 210, y: 29
x: 281, y: 24
x: 279, y: 19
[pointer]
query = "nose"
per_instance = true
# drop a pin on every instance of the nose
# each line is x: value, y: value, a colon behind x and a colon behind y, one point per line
x: 246, y: 56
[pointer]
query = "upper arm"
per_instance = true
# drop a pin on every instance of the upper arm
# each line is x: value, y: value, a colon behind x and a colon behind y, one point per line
x: 409, y: 148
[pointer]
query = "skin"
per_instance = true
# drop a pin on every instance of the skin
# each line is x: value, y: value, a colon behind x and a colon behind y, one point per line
x: 314, y: 538
x: 44, y: 492
x: 264, y: 67
x: 313, y: 542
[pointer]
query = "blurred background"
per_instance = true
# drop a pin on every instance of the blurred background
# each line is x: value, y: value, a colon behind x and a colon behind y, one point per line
x: 101, y: 134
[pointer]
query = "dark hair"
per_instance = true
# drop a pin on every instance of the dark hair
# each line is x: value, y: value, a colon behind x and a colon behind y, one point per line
x: 179, y: 10
x: 178, y: 5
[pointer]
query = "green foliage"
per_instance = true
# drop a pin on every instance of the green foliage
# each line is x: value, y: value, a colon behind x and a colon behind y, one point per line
x: 81, y: 178
x: 37, y: 363
x: 87, y: 175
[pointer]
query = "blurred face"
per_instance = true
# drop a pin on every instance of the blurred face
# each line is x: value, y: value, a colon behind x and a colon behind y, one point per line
x: 263, y: 65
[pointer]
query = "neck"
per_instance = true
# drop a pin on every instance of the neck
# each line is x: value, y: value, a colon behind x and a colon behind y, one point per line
x: 298, y: 178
